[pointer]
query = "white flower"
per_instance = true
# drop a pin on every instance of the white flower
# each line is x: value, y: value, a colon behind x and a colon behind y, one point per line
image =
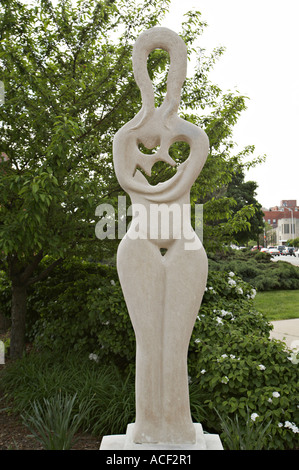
x: 294, y: 358
x: 93, y: 357
x: 197, y: 340
x: 270, y: 400
x: 254, y: 416
x: 224, y: 313
x: 225, y: 380
x: 232, y: 356
x: 231, y: 282
x: 203, y: 371
x: 224, y: 355
x: 211, y: 289
x: 240, y: 290
x: 253, y: 293
x: 291, y: 426
x: 112, y: 282
x: 219, y: 320
x: 280, y: 425
x: 231, y: 274
x: 276, y: 394
x: 261, y: 367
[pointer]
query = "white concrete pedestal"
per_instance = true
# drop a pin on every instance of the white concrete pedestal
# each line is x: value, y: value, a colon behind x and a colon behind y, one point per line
x: 125, y: 442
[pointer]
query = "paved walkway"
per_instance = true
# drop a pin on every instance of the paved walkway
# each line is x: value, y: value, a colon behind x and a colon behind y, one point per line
x: 287, y: 331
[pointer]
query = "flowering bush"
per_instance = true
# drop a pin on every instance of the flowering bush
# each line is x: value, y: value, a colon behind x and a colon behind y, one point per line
x: 236, y: 367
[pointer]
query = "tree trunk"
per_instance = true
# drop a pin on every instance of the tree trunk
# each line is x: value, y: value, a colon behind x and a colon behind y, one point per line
x: 18, y: 319
x: 4, y: 323
x: 21, y: 278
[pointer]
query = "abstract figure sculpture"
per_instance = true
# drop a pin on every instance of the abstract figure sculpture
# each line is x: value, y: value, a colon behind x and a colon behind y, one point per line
x: 163, y: 293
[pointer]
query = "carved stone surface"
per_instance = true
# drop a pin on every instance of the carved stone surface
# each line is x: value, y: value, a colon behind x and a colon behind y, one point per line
x: 163, y: 293
x: 125, y: 442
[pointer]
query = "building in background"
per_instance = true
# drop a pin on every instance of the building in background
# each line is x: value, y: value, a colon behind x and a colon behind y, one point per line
x: 284, y: 220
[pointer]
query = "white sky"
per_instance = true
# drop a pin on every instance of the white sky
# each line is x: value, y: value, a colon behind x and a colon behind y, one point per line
x: 261, y: 61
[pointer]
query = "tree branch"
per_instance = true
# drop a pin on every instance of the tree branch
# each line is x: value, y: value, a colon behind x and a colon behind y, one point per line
x: 46, y: 272
x: 25, y: 276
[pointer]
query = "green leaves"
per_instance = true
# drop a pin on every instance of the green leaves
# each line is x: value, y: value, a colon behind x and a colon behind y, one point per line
x: 240, y: 372
x: 244, y: 434
x: 69, y: 88
x: 53, y: 421
x: 27, y: 201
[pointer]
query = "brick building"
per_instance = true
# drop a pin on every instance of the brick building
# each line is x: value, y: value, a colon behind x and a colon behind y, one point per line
x: 284, y: 220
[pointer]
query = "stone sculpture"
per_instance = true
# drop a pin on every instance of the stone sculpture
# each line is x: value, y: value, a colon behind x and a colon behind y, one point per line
x: 163, y: 293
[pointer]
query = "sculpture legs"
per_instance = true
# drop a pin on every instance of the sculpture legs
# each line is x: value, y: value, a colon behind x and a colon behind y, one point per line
x: 163, y: 295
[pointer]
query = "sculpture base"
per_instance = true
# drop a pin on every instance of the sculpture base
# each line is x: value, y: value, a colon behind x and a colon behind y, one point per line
x: 125, y: 442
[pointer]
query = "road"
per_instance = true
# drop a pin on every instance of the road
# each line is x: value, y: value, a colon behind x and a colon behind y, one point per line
x: 288, y: 259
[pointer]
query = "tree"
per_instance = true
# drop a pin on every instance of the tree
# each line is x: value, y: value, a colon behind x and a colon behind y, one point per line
x: 69, y: 87
x: 244, y: 193
x: 295, y: 242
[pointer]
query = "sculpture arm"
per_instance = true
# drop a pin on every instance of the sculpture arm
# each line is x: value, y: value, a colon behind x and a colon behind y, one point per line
x: 126, y: 156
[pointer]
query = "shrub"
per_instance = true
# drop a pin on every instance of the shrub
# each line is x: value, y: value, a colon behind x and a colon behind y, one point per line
x: 81, y: 307
x: 237, y: 368
x: 257, y: 269
x: 87, y: 311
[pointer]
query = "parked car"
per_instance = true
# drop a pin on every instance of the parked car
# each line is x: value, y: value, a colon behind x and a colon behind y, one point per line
x: 273, y: 251
x: 265, y: 250
x: 254, y: 248
x: 281, y: 249
x: 290, y: 251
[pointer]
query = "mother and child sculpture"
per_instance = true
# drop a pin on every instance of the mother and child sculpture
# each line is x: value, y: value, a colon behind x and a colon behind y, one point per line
x: 163, y: 293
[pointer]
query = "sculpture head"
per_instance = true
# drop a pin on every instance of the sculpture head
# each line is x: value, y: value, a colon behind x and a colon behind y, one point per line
x: 160, y: 38
x: 158, y: 126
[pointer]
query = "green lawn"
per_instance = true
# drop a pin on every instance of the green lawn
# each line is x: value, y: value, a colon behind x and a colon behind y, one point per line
x: 278, y: 305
